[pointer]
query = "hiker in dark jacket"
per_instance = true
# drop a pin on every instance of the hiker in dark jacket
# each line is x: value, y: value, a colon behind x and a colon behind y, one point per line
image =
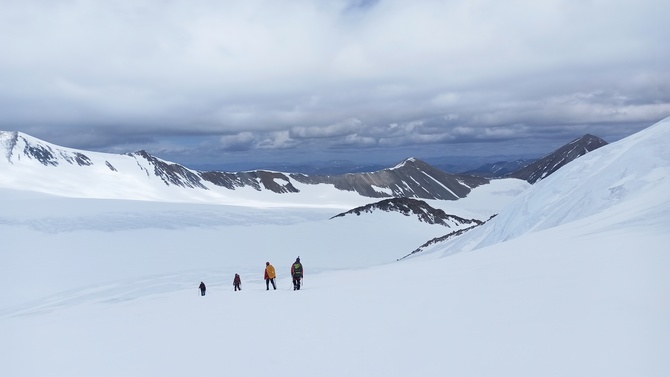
x: 202, y: 288
x: 237, y: 283
x: 296, y: 273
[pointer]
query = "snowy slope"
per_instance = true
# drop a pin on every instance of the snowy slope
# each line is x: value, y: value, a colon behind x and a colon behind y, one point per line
x: 60, y: 244
x: 626, y: 181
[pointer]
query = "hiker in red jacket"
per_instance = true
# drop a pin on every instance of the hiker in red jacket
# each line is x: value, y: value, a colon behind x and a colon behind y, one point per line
x: 237, y: 283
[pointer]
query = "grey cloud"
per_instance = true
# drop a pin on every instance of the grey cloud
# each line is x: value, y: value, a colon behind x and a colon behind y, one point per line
x: 257, y: 140
x: 281, y: 75
x: 346, y: 127
x: 240, y: 141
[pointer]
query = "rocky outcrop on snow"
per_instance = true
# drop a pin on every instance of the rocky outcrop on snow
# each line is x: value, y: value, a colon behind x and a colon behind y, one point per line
x: 437, y: 240
x: 44, y: 153
x: 444, y: 238
x: 171, y: 174
x: 413, y: 207
x: 258, y: 180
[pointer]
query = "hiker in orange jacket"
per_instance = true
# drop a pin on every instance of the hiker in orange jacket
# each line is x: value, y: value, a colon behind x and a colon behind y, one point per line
x: 270, y: 276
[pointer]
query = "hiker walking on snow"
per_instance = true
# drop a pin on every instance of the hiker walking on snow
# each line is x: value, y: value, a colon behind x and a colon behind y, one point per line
x: 296, y: 272
x: 270, y: 276
x: 237, y: 283
x: 202, y: 288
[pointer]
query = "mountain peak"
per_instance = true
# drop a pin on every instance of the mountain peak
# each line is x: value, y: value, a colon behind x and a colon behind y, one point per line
x: 407, y: 161
x: 548, y: 164
x: 410, y: 178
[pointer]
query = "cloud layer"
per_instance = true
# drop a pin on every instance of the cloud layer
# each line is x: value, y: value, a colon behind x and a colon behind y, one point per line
x: 189, y: 78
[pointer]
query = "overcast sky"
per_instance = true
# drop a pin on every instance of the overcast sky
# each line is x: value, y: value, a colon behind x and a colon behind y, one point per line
x: 213, y: 81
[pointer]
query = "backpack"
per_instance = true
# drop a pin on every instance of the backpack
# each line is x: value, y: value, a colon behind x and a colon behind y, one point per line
x: 297, y: 270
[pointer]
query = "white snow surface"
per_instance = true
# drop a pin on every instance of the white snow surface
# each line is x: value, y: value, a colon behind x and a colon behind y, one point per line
x: 570, y: 279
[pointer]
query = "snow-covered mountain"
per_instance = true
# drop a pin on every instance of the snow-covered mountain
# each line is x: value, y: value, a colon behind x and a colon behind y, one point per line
x: 30, y: 162
x: 619, y: 185
x: 411, y: 178
x: 553, y: 161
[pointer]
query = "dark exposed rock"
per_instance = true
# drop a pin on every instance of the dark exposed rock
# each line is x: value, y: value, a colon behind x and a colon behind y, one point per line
x: 408, y: 207
x: 75, y: 157
x: 256, y: 179
x: 110, y: 166
x: 230, y: 180
x: 270, y: 181
x: 435, y: 240
x: 41, y: 153
x: 82, y: 160
x: 47, y: 156
x: 172, y: 173
x: 446, y: 237
x: 10, y: 143
x: 548, y: 164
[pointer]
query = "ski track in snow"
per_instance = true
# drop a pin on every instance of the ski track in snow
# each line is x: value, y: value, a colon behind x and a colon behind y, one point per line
x: 123, y: 291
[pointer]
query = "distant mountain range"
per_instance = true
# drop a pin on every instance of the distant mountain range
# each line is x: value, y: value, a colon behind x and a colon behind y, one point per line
x: 30, y: 162
x: 499, y: 169
x: 329, y: 167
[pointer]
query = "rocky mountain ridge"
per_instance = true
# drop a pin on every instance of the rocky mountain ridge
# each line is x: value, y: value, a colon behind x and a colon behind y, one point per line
x: 413, y: 207
x: 412, y: 178
x: 553, y: 161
